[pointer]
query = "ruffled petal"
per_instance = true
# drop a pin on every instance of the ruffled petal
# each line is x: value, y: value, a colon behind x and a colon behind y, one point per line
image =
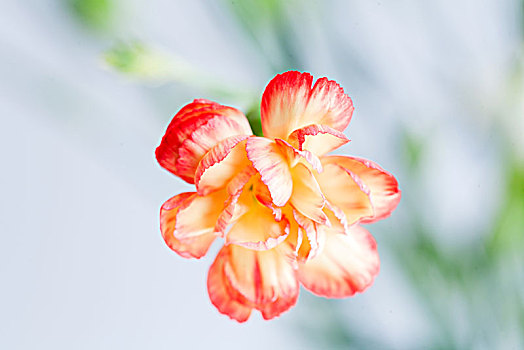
x: 234, y: 207
x: 294, y: 155
x: 220, y: 164
x: 319, y: 139
x: 198, y: 215
x: 383, y: 187
x: 273, y: 167
x: 281, y: 304
x: 188, y: 247
x: 347, y: 264
x: 267, y: 279
x: 313, y: 237
x: 261, y: 192
x: 225, y: 298
x: 343, y: 190
x: 195, y: 129
x: 257, y: 229
x: 289, y: 103
x: 306, y: 196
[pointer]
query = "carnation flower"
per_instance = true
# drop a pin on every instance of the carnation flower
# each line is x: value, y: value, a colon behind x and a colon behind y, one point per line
x: 288, y: 213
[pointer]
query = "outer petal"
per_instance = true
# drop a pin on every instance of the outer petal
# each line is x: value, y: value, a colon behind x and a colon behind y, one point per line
x: 198, y: 215
x: 383, y: 187
x: 273, y: 167
x: 347, y: 264
x: 306, y: 196
x: 289, y: 103
x: 193, y: 131
x: 189, y: 247
x: 225, y: 298
x: 257, y: 229
x: 265, y: 278
x: 319, y: 139
x: 281, y: 304
x: 220, y: 164
x: 345, y: 191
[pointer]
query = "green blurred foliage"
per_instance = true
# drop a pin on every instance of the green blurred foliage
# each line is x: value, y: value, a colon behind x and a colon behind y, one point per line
x: 137, y: 60
x: 95, y: 14
x: 145, y: 63
x: 509, y: 231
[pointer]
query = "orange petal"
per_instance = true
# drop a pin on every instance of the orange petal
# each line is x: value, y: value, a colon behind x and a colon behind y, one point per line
x: 306, y: 196
x: 383, y: 187
x: 314, y: 237
x: 345, y: 191
x: 220, y: 164
x: 261, y: 192
x: 189, y: 247
x: 257, y: 229
x: 319, y: 139
x: 265, y: 278
x: 272, y: 166
x: 232, y: 208
x: 336, y: 217
x: 193, y: 131
x: 294, y: 155
x: 225, y: 298
x: 198, y: 215
x: 347, y: 264
x: 289, y: 103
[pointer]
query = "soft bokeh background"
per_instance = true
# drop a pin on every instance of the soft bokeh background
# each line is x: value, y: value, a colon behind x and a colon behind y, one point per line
x: 88, y: 87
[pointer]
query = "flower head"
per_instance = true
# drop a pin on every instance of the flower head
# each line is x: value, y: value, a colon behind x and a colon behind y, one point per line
x: 288, y: 213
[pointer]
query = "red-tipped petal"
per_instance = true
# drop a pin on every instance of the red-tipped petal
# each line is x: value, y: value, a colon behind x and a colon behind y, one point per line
x: 193, y: 131
x: 289, y: 103
x: 220, y: 164
x: 319, y: 139
x: 188, y: 247
x: 225, y: 298
x: 383, y: 187
x: 272, y: 166
x: 347, y: 264
x: 342, y: 189
x: 282, y: 304
x: 262, y: 277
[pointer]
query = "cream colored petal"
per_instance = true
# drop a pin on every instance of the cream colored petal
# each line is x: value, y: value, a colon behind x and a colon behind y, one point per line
x: 347, y: 264
x: 344, y: 190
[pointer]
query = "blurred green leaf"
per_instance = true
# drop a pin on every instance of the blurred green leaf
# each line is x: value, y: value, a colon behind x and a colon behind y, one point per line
x: 95, y: 14
x: 136, y: 59
x: 143, y: 62
x: 509, y: 230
